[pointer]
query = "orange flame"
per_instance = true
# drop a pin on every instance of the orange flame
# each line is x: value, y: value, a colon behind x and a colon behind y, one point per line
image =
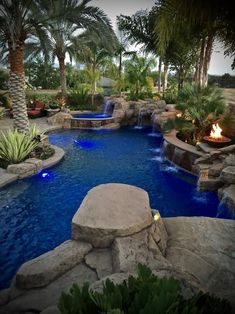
x: 216, y: 131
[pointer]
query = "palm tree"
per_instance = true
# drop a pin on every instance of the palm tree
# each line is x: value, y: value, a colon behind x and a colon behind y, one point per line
x: 61, y: 31
x: 19, y: 20
x: 139, y: 29
x: 213, y: 19
x: 137, y: 70
x: 95, y: 49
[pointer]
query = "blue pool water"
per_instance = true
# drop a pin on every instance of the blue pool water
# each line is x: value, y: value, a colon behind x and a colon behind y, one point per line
x: 36, y: 213
x: 92, y: 116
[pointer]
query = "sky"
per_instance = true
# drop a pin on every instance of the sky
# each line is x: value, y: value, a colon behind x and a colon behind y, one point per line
x: 219, y: 64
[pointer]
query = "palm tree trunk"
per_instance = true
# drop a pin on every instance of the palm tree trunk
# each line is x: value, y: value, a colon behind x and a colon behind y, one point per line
x: 200, y: 63
x: 120, y: 66
x: 165, y: 80
x: 62, y: 76
x: 207, y: 59
x: 159, y: 73
x: 17, y: 88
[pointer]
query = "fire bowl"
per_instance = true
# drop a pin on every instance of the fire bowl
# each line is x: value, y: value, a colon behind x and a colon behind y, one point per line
x: 217, y: 142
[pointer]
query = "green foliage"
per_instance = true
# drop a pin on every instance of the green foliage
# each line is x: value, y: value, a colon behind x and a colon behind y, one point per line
x: 16, y: 147
x: 4, y: 77
x: 1, y: 112
x: 43, y: 151
x: 134, y: 96
x: 5, y: 100
x: 224, y: 81
x: 145, y: 294
x: 200, y: 104
x: 78, y: 99
x: 108, y: 91
x: 41, y: 74
x: 137, y: 70
x: 171, y: 94
x: 200, y: 107
x: 50, y: 101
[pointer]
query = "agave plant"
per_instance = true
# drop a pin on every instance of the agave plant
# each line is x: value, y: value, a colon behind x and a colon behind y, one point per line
x: 16, y: 147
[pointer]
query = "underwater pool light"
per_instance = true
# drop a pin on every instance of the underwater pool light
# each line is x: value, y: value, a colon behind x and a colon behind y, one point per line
x: 45, y: 175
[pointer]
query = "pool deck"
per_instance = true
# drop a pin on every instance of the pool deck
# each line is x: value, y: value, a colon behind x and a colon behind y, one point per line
x: 41, y: 123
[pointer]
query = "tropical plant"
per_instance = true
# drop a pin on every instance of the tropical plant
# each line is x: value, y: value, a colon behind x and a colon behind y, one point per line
x: 16, y: 146
x: 19, y: 20
x: 139, y: 29
x: 4, y: 77
x: 171, y: 94
x: 137, y: 70
x: 1, y: 112
x: 145, y: 293
x: 202, y: 106
x: 79, y: 99
x: 4, y: 100
x: 95, y: 49
x: 50, y: 101
x: 72, y: 15
x: 42, y: 74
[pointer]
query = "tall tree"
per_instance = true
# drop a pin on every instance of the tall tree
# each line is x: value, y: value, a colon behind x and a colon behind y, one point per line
x: 94, y: 49
x: 73, y: 15
x: 214, y: 19
x: 137, y: 70
x: 19, y: 20
x: 139, y: 29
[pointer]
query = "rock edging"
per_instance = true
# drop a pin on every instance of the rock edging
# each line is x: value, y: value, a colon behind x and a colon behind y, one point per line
x: 179, y: 153
x: 217, y: 173
x: 29, y: 167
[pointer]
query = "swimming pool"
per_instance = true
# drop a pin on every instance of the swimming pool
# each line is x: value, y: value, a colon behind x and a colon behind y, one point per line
x: 36, y: 213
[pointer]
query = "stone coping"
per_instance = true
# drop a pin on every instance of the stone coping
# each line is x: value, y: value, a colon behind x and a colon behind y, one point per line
x: 93, y: 119
x: 172, y: 139
x: 7, y: 178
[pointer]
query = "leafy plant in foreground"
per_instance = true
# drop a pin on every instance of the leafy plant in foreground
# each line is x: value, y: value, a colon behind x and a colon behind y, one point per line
x: 145, y: 294
x: 16, y: 147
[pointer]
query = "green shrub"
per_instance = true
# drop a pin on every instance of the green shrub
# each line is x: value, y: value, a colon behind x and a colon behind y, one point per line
x: 171, y: 94
x: 16, y: 147
x: 4, y: 77
x: 5, y: 100
x: 78, y: 99
x: 50, y: 101
x: 108, y: 91
x: 2, y: 110
x: 145, y: 294
x: 43, y: 151
x: 133, y: 96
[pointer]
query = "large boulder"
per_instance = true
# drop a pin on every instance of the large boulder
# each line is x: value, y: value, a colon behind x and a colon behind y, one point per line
x: 141, y: 247
x: 36, y: 300
x: 109, y: 211
x: 228, y: 197
x: 44, y: 269
x: 59, y: 118
x: 228, y: 175
x: 204, y: 248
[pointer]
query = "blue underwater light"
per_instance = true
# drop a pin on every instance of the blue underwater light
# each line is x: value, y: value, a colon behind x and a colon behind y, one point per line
x: 45, y: 175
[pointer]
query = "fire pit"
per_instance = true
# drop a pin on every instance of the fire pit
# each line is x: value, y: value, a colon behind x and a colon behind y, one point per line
x: 216, y: 139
